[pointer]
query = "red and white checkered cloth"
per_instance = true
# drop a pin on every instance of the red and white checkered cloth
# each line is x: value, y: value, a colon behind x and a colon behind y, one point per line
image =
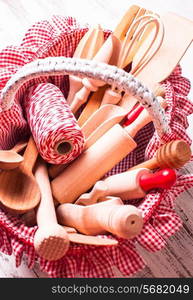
x: 59, y: 37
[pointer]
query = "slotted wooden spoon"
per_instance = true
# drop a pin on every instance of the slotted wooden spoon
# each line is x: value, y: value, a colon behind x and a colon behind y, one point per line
x: 19, y: 191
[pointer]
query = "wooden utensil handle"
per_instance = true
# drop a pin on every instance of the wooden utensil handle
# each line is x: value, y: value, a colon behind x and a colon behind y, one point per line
x: 55, y: 170
x: 46, y: 210
x: 149, y: 164
x: 143, y: 119
x: 30, y: 155
x: 92, y: 105
x: 123, y: 26
x: 19, y: 146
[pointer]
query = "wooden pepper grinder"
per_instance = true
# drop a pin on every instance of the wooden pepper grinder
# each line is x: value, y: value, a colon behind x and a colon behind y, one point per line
x: 51, y: 240
x: 129, y: 185
x: 92, y: 164
x: 109, y: 216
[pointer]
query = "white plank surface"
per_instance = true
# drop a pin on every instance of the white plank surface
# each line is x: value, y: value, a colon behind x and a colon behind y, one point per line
x: 176, y: 260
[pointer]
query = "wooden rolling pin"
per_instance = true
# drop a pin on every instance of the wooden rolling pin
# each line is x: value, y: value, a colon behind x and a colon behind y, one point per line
x: 51, y: 240
x: 101, y: 157
x: 174, y: 154
x: 109, y: 216
x: 129, y: 185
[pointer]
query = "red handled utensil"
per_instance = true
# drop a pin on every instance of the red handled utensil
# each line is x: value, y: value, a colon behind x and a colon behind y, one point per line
x: 129, y: 185
x: 163, y: 179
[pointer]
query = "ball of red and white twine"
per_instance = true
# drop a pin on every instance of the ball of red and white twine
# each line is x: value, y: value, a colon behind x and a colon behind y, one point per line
x: 58, y: 137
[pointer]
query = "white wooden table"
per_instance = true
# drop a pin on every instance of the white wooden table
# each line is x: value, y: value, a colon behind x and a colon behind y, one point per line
x: 176, y: 260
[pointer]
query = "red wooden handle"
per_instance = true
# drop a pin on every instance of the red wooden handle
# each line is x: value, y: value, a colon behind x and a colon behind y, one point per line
x: 164, y: 179
x: 133, y: 114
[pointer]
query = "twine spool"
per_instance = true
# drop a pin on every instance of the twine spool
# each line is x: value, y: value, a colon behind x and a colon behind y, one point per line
x: 55, y: 130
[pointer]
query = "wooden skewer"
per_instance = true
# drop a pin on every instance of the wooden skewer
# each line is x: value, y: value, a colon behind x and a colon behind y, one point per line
x: 109, y: 216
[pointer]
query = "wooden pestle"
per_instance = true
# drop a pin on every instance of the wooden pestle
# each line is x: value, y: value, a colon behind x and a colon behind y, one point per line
x: 129, y: 185
x: 51, y: 240
x: 109, y: 216
x: 92, y: 164
x: 174, y: 154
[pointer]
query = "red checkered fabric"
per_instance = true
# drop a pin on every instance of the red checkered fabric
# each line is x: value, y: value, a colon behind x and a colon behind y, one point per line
x: 59, y: 37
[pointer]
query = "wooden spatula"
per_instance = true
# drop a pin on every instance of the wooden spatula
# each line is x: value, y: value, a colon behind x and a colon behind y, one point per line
x: 87, y: 48
x: 177, y: 38
x: 19, y: 191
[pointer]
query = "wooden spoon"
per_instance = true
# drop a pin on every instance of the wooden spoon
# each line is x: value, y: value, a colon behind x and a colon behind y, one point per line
x: 19, y: 191
x: 87, y: 48
x: 10, y: 159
